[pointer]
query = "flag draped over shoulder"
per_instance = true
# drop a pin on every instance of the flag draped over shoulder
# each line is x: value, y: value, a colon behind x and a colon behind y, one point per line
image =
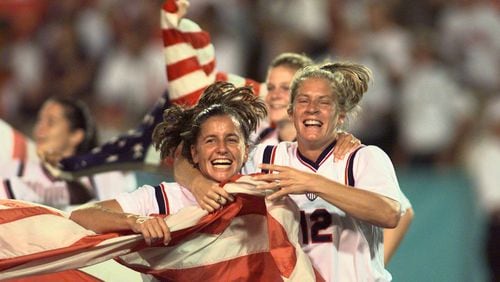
x: 250, y: 239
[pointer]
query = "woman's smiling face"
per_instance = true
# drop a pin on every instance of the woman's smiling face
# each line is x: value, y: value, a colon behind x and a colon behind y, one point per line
x: 278, y: 92
x: 315, y: 114
x: 52, y: 131
x: 220, y: 149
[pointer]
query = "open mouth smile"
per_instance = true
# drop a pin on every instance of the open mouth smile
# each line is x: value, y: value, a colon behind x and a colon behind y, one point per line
x: 312, y: 122
x: 221, y: 163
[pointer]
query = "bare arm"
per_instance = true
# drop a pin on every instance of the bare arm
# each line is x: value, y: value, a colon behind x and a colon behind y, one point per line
x: 361, y: 204
x: 206, y: 191
x: 393, y: 237
x: 108, y: 216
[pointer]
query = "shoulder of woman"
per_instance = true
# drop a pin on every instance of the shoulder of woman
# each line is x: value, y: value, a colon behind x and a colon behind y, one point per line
x: 372, y: 151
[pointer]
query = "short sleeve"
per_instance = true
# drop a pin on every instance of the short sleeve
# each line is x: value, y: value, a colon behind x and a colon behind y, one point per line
x: 373, y: 171
x: 141, y: 201
x: 254, y: 159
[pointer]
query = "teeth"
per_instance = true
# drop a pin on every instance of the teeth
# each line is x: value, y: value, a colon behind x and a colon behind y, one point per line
x: 222, y: 162
x: 311, y: 122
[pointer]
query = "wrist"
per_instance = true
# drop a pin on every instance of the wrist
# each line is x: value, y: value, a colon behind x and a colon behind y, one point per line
x: 131, y: 220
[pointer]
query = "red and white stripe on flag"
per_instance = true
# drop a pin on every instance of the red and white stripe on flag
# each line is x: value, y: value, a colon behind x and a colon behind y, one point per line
x: 190, y: 59
x: 250, y: 239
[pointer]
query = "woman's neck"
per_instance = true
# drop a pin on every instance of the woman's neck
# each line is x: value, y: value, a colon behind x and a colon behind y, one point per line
x: 312, y: 150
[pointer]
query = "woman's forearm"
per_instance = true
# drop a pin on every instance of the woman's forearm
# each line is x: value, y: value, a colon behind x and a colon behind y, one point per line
x: 103, y: 217
x: 361, y: 204
x: 393, y: 237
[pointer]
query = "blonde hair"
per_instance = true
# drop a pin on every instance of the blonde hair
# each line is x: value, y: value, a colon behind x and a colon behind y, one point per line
x: 348, y: 82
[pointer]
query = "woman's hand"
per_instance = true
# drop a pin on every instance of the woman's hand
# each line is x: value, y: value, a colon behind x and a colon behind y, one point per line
x: 288, y: 181
x: 182, y: 6
x: 209, y: 195
x: 153, y: 229
x: 346, y: 142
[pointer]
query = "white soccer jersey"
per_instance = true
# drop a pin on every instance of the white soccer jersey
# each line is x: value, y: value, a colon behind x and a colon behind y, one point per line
x: 341, y: 247
x: 29, y: 181
x: 15, y: 145
x: 165, y: 198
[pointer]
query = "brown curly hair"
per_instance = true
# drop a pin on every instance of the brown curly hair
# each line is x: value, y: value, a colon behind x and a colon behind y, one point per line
x: 182, y: 125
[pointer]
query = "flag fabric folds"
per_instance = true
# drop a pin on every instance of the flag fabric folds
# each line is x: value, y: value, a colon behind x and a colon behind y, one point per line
x: 190, y: 59
x: 250, y: 239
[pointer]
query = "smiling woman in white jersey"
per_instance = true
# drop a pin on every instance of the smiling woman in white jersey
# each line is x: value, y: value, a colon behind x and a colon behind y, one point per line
x: 215, y: 134
x: 344, y: 204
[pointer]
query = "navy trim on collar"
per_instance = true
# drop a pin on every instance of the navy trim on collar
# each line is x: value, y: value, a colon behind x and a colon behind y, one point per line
x: 321, y: 157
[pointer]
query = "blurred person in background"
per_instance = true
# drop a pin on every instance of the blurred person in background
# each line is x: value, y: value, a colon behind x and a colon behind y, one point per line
x: 387, y: 41
x: 434, y: 111
x: 346, y: 44
x: 469, y: 32
x: 483, y: 158
x: 132, y: 74
x: 64, y: 128
x: 23, y: 60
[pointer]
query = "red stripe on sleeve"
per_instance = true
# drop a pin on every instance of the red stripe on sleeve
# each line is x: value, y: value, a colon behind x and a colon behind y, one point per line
x: 20, y: 147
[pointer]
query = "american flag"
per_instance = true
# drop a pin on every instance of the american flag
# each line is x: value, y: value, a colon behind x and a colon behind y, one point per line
x: 250, y: 239
x: 190, y: 59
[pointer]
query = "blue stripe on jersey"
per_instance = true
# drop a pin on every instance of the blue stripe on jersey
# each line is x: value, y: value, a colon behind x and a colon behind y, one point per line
x: 266, y: 159
x: 8, y: 189
x: 160, y: 200
x: 322, y: 156
x: 20, y: 169
x: 350, y: 169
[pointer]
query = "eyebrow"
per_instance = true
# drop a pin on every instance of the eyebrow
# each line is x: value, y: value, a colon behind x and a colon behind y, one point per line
x: 228, y: 135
